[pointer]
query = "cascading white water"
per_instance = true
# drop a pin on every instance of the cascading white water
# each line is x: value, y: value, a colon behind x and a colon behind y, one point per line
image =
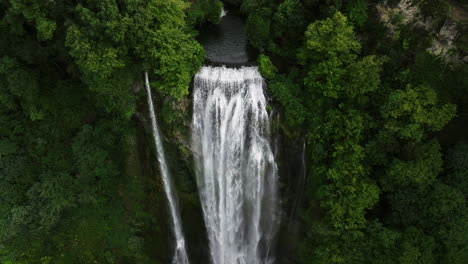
x: 236, y: 171
x: 223, y: 13
x: 180, y: 255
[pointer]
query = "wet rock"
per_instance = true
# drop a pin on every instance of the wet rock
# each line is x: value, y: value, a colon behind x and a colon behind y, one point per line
x: 137, y: 86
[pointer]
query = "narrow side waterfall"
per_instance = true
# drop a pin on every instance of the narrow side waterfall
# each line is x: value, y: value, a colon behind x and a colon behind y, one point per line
x: 236, y: 171
x: 223, y: 13
x: 180, y: 255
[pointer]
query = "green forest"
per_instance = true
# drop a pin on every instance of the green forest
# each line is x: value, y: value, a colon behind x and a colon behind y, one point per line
x: 378, y: 91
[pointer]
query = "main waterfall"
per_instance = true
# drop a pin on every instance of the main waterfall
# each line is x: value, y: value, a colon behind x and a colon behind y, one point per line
x: 236, y: 171
x: 180, y: 255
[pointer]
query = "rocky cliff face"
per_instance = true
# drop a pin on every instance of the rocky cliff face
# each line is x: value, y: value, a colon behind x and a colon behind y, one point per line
x: 174, y: 122
x: 409, y: 13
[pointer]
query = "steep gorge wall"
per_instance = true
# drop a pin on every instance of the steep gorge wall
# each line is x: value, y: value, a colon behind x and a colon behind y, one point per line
x: 174, y: 120
x: 445, y: 31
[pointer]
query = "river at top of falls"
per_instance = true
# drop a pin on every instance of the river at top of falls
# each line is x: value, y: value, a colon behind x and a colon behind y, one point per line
x: 226, y: 42
x: 180, y: 254
x: 236, y: 171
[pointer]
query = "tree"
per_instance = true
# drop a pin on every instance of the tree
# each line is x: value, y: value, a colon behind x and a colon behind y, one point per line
x: 457, y: 167
x: 202, y: 11
x: 337, y: 83
x: 419, y: 167
x: 331, y: 54
x: 259, y: 28
x: 412, y: 111
x: 328, y: 39
x: 357, y: 12
x: 151, y: 33
x: 66, y: 102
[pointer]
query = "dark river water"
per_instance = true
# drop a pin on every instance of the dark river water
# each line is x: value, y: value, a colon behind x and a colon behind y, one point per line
x: 226, y: 42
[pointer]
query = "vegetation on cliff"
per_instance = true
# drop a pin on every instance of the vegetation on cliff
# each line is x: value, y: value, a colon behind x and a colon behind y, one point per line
x: 69, y: 72
x: 384, y: 117
x: 380, y: 114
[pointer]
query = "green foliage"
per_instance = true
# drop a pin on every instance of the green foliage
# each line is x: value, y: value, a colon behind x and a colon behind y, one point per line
x: 251, y: 6
x: 331, y: 52
x: 457, y: 167
x: 329, y: 39
x: 384, y: 184
x: 173, y: 55
x: 203, y: 11
x: 288, y: 25
x: 349, y: 192
x: 259, y: 28
x: 149, y: 34
x: 368, y: 133
x: 267, y: 69
x: 338, y: 84
x: 286, y: 92
x: 334, y: 79
x: 66, y: 100
x: 412, y: 111
x: 437, y: 9
x: 357, y: 12
x: 363, y: 76
x: 37, y: 13
x: 421, y: 166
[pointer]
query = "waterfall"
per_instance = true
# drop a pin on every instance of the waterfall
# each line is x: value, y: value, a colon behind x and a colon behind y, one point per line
x: 300, y: 185
x: 236, y: 171
x: 180, y: 255
x: 223, y: 13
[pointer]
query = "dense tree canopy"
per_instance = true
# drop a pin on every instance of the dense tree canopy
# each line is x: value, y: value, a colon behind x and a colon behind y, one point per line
x: 383, y: 119
x: 69, y: 76
x: 381, y: 188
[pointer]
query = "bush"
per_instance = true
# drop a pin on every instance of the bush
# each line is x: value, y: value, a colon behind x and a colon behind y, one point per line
x: 204, y: 11
x: 267, y: 69
x: 357, y: 12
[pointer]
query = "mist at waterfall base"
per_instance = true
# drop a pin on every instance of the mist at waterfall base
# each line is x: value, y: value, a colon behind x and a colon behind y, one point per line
x: 180, y: 254
x: 235, y: 166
